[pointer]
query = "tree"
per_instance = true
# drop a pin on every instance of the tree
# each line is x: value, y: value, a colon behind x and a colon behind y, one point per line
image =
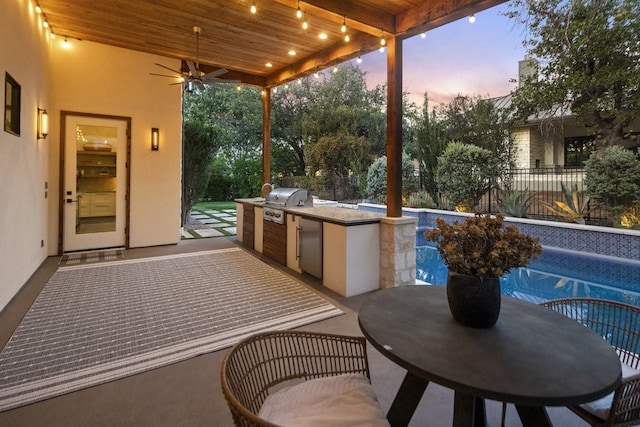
x: 337, y: 156
x: 465, y: 173
x: 430, y: 143
x: 200, y: 144
x: 472, y: 120
x: 613, y: 179
x: 588, y: 54
x: 342, y: 104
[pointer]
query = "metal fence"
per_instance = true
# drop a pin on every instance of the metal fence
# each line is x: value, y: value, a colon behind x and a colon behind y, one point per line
x: 544, y: 183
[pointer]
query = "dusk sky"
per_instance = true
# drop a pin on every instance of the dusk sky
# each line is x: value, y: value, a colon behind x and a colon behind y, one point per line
x: 461, y: 57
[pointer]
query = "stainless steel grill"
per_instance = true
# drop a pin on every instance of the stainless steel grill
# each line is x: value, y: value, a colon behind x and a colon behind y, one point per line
x: 281, y: 198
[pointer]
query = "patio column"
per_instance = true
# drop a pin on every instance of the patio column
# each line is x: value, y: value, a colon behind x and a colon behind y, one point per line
x: 266, y: 135
x: 397, y: 233
x: 394, y: 126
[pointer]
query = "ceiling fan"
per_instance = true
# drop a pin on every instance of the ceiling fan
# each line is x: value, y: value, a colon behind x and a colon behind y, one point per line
x: 195, y: 77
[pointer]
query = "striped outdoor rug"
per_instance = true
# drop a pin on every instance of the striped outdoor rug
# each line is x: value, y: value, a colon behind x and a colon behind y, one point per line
x: 99, y: 322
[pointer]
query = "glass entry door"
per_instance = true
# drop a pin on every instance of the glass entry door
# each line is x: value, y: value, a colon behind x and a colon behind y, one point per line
x: 95, y: 183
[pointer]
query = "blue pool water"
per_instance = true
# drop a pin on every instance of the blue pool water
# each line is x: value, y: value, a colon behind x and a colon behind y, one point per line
x: 556, y: 274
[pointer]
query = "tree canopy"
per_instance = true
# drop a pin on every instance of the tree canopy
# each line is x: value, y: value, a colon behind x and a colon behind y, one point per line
x: 588, y: 54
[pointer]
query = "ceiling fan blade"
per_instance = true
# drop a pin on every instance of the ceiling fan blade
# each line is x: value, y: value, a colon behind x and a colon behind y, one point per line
x: 164, y: 75
x: 167, y: 68
x: 215, y: 73
x: 193, y: 69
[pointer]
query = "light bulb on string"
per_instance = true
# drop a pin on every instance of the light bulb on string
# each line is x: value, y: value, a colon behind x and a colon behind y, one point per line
x: 472, y: 18
x: 344, y: 24
x: 253, y: 8
x: 298, y: 12
x: 305, y: 25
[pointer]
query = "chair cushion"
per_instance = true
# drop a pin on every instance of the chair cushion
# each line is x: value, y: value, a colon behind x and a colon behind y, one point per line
x: 341, y: 400
x: 600, y: 408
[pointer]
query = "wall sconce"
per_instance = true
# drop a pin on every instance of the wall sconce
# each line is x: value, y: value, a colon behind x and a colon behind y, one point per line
x: 155, y: 139
x: 43, y: 123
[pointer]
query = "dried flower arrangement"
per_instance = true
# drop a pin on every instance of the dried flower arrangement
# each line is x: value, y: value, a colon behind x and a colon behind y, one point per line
x: 481, y: 246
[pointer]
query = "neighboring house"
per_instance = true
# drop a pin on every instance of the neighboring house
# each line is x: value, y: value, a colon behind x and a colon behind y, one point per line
x: 542, y: 143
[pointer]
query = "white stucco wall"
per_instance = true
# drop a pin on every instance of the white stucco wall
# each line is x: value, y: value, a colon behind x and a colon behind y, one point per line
x: 90, y: 78
x: 94, y: 78
x: 24, y: 54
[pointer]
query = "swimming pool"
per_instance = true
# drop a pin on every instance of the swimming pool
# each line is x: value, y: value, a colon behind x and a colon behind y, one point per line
x: 558, y: 273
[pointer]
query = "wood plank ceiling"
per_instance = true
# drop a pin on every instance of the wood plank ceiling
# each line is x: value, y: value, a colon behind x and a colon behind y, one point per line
x: 233, y: 38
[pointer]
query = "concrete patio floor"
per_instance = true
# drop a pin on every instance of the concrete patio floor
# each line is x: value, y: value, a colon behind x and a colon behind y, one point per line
x: 189, y: 394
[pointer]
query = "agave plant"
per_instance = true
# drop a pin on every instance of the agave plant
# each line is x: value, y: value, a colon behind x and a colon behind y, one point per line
x: 571, y: 209
x: 514, y: 203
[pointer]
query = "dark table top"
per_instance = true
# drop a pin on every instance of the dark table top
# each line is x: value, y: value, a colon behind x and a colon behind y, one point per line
x: 532, y: 356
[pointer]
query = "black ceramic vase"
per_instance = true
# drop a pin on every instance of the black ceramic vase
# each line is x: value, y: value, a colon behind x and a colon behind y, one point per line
x: 474, y: 301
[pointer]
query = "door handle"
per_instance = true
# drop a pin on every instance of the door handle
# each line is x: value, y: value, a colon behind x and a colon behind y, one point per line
x: 74, y: 201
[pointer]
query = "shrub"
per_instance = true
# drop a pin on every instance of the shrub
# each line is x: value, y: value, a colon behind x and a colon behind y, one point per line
x: 465, y: 173
x: 613, y: 179
x: 377, y: 177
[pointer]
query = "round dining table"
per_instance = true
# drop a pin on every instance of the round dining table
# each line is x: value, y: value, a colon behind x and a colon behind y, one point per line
x: 532, y: 357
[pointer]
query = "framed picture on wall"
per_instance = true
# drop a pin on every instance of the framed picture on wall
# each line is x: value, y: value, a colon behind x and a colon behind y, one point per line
x: 11, y: 105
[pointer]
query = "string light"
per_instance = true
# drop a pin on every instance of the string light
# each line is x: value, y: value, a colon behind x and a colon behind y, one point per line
x: 472, y: 18
x: 298, y: 12
x: 305, y: 25
x: 335, y: 69
x: 253, y: 8
x: 347, y: 38
x: 381, y: 49
x: 322, y: 36
x: 344, y: 24
x: 423, y: 35
x: 359, y: 60
x: 383, y: 42
x: 38, y: 9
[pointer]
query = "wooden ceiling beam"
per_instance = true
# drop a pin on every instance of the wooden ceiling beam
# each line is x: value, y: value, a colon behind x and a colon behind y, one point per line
x: 359, y: 17
x: 429, y: 15
x: 360, y: 44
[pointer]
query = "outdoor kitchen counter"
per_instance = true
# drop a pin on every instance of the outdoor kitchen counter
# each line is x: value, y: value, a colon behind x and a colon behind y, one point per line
x: 349, y: 246
x: 257, y: 201
x: 339, y: 216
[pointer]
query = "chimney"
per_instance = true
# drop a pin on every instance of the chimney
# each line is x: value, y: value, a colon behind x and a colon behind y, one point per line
x: 527, y: 68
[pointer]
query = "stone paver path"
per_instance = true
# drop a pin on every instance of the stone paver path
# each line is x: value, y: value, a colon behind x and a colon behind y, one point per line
x: 210, y: 223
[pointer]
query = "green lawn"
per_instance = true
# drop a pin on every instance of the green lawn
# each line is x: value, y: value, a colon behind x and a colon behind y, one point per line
x: 214, y: 205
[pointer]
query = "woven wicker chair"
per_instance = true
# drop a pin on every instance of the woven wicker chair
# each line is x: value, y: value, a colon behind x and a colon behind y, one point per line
x: 258, y: 363
x: 619, y: 325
